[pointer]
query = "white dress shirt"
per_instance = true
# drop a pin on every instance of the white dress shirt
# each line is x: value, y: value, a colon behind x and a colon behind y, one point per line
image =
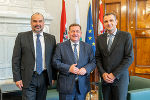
x: 43, y: 48
x: 78, y: 45
x: 112, y: 36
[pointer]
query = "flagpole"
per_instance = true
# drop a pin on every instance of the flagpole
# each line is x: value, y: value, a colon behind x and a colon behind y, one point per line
x: 77, y: 12
x: 95, y: 9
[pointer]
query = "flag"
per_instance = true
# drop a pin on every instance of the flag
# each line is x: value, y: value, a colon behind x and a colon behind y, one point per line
x: 90, y: 31
x: 100, y: 22
x: 63, y: 24
x: 77, y: 12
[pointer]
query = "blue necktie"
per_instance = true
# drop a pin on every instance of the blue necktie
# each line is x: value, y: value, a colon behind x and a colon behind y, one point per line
x: 75, y: 52
x: 110, y: 42
x: 38, y: 55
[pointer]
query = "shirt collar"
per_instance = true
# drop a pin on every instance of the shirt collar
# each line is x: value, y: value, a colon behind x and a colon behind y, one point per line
x: 113, y: 33
x: 41, y: 34
x: 74, y: 43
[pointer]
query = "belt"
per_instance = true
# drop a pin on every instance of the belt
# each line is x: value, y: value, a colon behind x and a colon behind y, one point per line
x: 35, y: 72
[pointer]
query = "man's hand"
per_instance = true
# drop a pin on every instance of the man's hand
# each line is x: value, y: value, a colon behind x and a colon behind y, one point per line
x: 82, y: 71
x: 53, y: 82
x: 111, y: 76
x: 19, y: 84
x: 73, y: 69
x: 107, y: 78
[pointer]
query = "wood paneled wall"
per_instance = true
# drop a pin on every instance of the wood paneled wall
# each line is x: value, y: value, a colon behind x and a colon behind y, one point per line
x: 133, y: 16
x: 140, y: 27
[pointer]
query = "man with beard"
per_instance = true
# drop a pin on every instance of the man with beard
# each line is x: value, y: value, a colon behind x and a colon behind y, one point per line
x: 31, y: 60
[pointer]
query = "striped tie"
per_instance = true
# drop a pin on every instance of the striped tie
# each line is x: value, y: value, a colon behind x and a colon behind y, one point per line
x: 76, y: 58
x: 75, y: 52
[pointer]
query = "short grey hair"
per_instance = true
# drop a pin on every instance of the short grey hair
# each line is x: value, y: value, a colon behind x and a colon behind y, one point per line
x: 37, y: 13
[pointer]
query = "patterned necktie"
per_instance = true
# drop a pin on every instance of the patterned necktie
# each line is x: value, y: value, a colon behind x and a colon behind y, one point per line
x: 75, y: 52
x: 38, y: 55
x: 76, y: 58
x: 110, y: 42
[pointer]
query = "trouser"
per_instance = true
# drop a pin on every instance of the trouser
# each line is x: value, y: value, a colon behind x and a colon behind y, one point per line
x: 37, y: 89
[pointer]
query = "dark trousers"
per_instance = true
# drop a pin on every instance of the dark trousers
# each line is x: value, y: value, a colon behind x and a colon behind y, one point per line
x: 76, y: 95
x: 37, y: 89
x: 115, y: 92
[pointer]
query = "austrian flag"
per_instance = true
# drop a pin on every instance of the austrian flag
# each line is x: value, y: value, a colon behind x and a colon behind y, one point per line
x: 63, y: 24
x: 100, y: 23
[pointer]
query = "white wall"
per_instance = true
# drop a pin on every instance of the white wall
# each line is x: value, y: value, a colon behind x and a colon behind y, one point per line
x: 54, y: 7
x: 14, y: 18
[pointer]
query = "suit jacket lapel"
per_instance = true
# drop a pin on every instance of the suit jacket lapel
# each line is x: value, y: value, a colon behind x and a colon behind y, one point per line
x: 70, y: 51
x: 31, y: 42
x: 81, y: 52
x: 104, y: 44
x: 46, y: 45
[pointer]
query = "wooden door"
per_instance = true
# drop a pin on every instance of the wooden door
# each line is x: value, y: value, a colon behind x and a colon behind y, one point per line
x: 134, y: 16
x: 139, y: 26
x: 119, y: 8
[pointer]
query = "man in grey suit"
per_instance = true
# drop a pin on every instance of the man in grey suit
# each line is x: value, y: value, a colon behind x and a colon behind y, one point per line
x: 114, y: 55
x: 75, y: 61
x: 31, y: 60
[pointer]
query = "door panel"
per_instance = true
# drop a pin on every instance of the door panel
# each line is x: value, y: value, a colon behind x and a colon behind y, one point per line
x: 142, y: 38
x: 114, y: 8
x: 143, y: 14
x: 134, y: 16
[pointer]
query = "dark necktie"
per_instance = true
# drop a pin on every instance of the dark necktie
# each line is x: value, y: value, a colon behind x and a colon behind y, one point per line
x: 75, y: 52
x: 38, y: 55
x: 110, y: 42
x: 76, y: 59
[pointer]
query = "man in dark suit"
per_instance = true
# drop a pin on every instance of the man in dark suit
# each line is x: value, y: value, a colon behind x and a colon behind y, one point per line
x: 75, y: 61
x: 31, y: 60
x: 114, y: 55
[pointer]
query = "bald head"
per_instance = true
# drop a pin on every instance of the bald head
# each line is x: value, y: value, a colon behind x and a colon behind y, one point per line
x: 37, y: 23
x: 37, y: 13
